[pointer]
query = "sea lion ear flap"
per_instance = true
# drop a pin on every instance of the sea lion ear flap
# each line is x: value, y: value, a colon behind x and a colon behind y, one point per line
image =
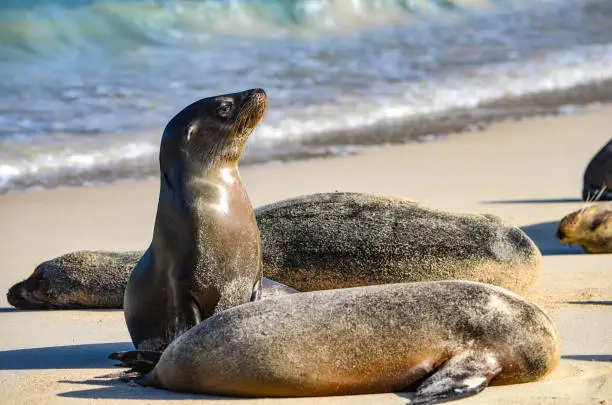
x: 461, y: 376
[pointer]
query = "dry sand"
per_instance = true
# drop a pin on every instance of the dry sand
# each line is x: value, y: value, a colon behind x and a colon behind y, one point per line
x: 529, y: 172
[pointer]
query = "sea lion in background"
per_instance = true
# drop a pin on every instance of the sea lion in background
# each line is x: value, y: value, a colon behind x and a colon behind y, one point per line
x: 205, y: 255
x: 590, y: 228
x: 76, y: 280
x: 447, y: 339
x: 334, y: 240
x: 90, y: 279
x: 338, y: 240
x: 598, y: 175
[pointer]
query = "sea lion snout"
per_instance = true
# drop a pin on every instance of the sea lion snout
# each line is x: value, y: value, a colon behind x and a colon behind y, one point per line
x: 21, y: 295
x: 561, y: 235
x: 252, y: 107
x: 589, y: 227
x: 257, y: 94
x: 15, y: 296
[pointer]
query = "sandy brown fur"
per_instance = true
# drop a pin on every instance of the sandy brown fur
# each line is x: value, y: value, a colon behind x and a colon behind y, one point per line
x: 362, y: 340
x: 334, y: 240
x: 589, y: 227
x: 76, y: 280
x: 90, y: 279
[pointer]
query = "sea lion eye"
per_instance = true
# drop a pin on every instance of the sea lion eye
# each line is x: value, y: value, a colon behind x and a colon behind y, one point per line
x: 224, y: 109
x: 596, y: 224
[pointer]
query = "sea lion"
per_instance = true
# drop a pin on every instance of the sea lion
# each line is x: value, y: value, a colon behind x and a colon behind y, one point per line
x: 90, y: 279
x: 447, y: 339
x: 598, y: 175
x: 334, y: 240
x: 205, y: 255
x: 76, y: 280
x: 339, y: 240
x: 590, y: 228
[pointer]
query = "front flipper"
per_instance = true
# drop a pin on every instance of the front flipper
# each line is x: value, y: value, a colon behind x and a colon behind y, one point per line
x: 462, y: 376
x: 139, y: 361
x: 256, y: 294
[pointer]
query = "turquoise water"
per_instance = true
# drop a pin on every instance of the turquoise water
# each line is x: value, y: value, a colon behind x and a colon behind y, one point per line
x: 88, y: 85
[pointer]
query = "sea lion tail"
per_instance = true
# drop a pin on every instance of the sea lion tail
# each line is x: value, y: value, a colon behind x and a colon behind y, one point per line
x: 462, y: 376
x: 138, y: 361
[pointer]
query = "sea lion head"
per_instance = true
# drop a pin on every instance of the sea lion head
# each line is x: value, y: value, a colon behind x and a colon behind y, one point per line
x: 590, y: 227
x: 211, y: 132
x: 37, y: 291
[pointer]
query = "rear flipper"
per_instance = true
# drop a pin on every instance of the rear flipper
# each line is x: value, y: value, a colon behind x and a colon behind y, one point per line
x: 138, y: 361
x: 462, y: 376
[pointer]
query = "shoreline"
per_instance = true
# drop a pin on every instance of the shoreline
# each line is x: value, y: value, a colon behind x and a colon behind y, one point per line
x: 346, y: 142
x: 528, y: 172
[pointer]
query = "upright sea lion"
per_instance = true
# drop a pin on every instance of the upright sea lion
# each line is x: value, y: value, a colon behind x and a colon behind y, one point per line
x: 205, y: 255
x: 447, y: 339
x: 590, y: 227
x: 598, y: 175
x: 332, y: 240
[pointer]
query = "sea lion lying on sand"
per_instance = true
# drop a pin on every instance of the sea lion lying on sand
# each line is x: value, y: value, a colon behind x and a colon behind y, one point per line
x: 337, y: 240
x: 90, y: 279
x: 590, y: 228
x: 324, y: 241
x: 447, y: 339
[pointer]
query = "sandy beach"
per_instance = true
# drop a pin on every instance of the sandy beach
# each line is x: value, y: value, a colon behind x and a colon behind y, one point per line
x: 528, y: 172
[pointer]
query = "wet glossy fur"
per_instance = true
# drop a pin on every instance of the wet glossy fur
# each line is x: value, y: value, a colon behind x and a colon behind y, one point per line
x: 205, y: 255
x: 598, y: 175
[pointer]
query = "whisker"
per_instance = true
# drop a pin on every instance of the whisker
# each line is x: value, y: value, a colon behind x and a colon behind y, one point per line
x: 600, y: 193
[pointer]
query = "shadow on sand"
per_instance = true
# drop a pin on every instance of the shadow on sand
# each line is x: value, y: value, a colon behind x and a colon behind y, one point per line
x: 8, y: 310
x: 116, y: 389
x: 543, y: 235
x: 590, y: 302
x: 11, y: 309
x: 536, y: 201
x: 589, y: 357
x: 61, y: 357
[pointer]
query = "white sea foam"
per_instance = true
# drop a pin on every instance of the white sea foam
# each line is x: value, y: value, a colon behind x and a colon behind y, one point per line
x: 77, y: 104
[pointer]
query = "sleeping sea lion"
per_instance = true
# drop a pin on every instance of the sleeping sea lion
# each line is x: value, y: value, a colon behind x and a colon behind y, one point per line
x: 325, y: 241
x: 447, y: 340
x: 590, y: 228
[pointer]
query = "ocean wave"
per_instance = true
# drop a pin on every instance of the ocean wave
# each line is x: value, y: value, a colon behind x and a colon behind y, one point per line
x: 86, y: 81
x: 39, y: 27
x: 497, y: 92
x: 354, y: 118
